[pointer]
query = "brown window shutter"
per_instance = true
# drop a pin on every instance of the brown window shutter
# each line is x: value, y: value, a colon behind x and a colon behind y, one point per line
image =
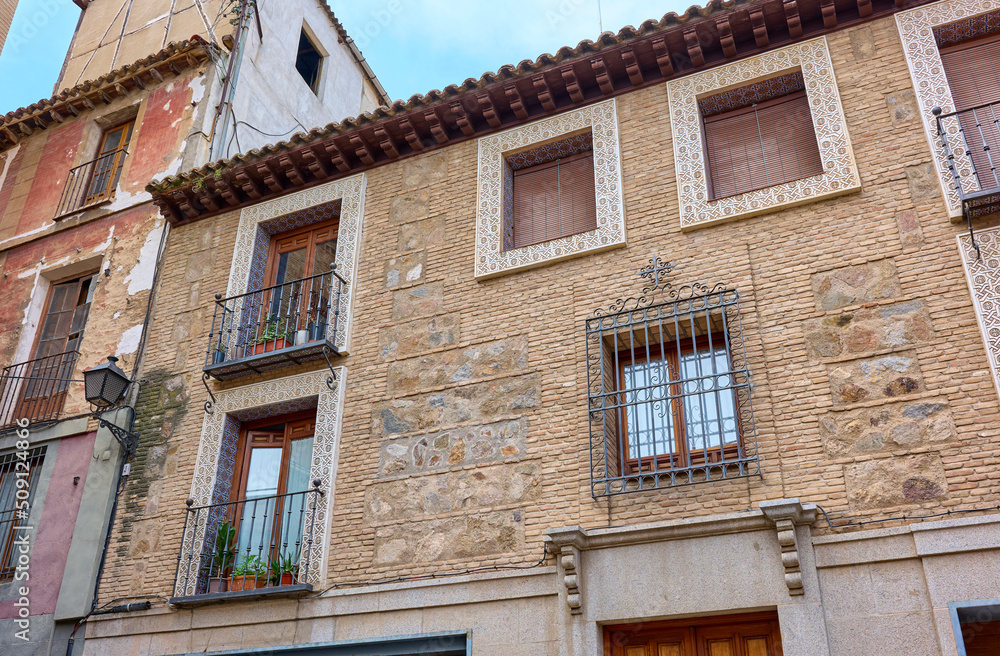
x: 973, y: 72
x: 762, y: 146
x: 555, y: 199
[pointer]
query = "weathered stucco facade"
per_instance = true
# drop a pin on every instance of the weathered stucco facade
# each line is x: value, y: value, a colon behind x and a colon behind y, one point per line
x: 461, y: 502
x: 7, y: 8
x: 74, y: 211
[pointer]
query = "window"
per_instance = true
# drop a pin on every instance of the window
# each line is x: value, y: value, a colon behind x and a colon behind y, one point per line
x: 308, y: 62
x: 295, y: 306
x: 37, y: 389
x: 759, y: 136
x: 107, y: 168
x: 551, y: 192
x: 271, y: 484
x: 568, y: 196
x: 669, y: 391
x: 977, y: 627
x: 755, y: 634
x: 13, y: 467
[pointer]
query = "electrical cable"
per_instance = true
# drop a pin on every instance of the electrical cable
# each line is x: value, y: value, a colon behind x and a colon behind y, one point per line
x: 864, y: 522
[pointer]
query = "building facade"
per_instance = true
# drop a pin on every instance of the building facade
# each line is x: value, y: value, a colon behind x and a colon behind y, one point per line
x: 7, y: 8
x: 80, y: 246
x: 678, y: 342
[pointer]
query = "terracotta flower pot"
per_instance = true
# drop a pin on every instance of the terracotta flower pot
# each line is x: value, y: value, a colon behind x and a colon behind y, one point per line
x: 270, y: 345
x: 287, y: 578
x: 246, y: 582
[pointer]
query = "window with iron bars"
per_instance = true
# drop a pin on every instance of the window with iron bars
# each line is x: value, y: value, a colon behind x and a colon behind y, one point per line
x: 15, y: 465
x: 669, y: 389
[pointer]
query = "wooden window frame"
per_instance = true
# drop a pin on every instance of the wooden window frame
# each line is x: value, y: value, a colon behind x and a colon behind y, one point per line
x: 107, y: 191
x: 689, y: 631
x: 273, y: 251
x: 242, y: 469
x: 682, y: 455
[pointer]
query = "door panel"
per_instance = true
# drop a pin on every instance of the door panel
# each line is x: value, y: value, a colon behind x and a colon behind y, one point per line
x: 721, y: 648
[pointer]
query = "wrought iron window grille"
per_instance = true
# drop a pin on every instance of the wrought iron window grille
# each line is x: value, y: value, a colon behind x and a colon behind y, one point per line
x: 15, y: 466
x: 668, y: 388
x: 36, y: 389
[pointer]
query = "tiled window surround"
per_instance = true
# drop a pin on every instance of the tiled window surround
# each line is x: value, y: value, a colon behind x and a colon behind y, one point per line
x: 491, y: 257
x: 840, y: 174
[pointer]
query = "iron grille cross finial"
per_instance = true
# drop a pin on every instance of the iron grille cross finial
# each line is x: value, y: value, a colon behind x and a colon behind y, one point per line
x: 654, y: 269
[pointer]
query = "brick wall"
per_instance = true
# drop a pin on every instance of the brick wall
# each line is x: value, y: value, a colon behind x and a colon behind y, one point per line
x: 465, y: 430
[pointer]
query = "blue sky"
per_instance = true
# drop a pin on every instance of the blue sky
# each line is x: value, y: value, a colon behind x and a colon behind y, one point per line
x: 413, y: 46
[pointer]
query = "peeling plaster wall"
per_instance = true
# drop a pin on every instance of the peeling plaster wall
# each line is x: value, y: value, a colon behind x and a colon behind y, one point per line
x: 271, y: 95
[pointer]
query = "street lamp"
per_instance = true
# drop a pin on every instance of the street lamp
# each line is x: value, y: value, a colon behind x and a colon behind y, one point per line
x: 104, y: 386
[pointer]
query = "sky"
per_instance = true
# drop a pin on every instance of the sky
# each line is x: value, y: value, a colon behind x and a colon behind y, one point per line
x: 414, y: 46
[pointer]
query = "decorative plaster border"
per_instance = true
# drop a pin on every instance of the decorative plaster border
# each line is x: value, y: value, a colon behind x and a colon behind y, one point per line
x: 916, y: 31
x: 840, y: 171
x: 491, y: 258
x: 351, y: 192
x: 326, y: 450
x: 983, y: 276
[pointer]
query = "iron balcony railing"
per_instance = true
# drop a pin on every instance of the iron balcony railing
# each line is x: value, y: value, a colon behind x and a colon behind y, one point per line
x: 248, y: 545
x: 292, y: 321
x: 36, y: 389
x: 92, y: 182
x: 971, y: 142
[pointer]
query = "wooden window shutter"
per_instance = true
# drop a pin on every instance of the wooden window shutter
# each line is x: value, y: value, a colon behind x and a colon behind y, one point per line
x: 762, y: 146
x: 554, y: 199
x: 973, y: 72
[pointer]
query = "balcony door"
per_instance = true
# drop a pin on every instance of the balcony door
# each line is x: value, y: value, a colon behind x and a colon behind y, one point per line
x: 271, y: 482
x: 295, y: 304
x: 107, y: 168
x: 48, y: 374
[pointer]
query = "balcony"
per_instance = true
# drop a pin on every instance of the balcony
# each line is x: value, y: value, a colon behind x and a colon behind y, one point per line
x: 291, y: 323
x: 971, y: 142
x: 36, y: 389
x: 92, y: 183
x: 248, y: 549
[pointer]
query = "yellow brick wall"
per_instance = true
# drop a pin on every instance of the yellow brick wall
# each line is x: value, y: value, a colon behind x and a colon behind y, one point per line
x: 774, y: 260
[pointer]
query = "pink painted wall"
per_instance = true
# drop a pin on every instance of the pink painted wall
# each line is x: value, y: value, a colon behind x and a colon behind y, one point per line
x: 53, y: 534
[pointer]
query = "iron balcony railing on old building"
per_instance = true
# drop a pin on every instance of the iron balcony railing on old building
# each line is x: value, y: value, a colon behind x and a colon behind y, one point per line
x: 293, y: 322
x: 36, y: 389
x: 971, y: 142
x: 92, y: 183
x: 254, y: 547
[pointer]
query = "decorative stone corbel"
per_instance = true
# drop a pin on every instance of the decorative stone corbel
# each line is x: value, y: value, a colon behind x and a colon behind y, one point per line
x: 786, y: 515
x: 566, y: 543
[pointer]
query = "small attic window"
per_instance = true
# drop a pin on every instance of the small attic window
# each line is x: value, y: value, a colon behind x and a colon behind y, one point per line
x: 308, y: 62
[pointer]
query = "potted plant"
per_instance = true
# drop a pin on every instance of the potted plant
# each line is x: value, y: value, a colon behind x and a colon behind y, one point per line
x: 219, y: 355
x: 249, y: 573
x: 283, y: 569
x: 223, y: 556
x: 317, y: 331
x: 273, y: 338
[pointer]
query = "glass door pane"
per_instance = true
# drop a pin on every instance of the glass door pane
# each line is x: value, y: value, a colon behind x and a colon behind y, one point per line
x: 294, y: 514
x: 257, y: 513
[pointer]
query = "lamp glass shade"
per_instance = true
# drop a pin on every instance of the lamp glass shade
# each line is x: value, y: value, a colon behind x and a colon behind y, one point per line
x: 105, y: 384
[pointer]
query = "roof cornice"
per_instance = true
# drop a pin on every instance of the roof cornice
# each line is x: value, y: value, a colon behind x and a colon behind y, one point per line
x: 656, y: 51
x: 172, y: 60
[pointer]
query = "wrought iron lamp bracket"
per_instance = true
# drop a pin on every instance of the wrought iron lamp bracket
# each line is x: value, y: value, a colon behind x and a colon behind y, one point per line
x: 128, y: 440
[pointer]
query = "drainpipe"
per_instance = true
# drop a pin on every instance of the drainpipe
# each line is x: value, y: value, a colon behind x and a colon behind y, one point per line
x: 367, y: 71
x: 229, y: 86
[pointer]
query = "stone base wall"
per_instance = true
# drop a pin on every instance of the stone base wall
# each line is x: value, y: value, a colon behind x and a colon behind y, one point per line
x: 883, y: 591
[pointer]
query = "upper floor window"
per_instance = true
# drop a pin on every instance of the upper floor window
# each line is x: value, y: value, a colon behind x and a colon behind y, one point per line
x: 96, y: 181
x: 13, y: 468
x: 309, y: 61
x: 758, y: 136
x: 37, y: 389
x: 551, y: 192
x: 669, y: 389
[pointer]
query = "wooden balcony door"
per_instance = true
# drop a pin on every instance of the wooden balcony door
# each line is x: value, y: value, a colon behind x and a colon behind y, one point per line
x: 108, y: 165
